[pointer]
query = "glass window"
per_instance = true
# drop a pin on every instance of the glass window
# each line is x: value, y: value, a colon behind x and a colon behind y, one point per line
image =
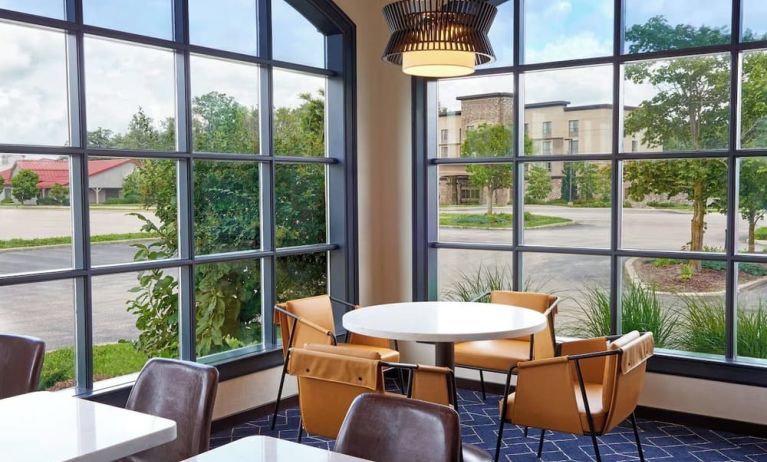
x: 678, y: 104
x: 294, y: 38
x: 752, y: 206
x: 753, y: 111
x: 444, y: 151
x: 230, y: 25
x: 51, y: 8
x: 227, y: 211
x: 568, y: 205
x: 443, y: 135
x: 502, y: 36
x: 546, y: 147
x: 546, y: 129
x: 754, y: 25
x: 299, y: 114
x: 36, y: 230
x: 675, y: 204
x: 751, y: 324
x: 670, y: 24
x: 558, y: 30
x: 300, y: 276
x: 146, y: 17
x: 465, y: 275
x: 572, y: 147
x: 475, y: 203
x: 300, y: 214
x: 224, y: 106
x: 572, y: 127
x: 142, y: 114
x: 33, y: 86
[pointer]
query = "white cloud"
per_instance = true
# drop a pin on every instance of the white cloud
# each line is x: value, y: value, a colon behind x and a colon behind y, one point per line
x: 582, y: 45
x: 289, y: 85
x: 239, y: 80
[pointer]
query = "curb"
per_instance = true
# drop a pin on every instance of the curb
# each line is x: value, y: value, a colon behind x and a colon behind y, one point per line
x: 58, y: 246
x: 551, y: 225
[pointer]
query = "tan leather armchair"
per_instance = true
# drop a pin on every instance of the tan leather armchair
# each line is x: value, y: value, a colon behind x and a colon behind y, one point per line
x: 310, y: 321
x: 503, y: 354
x: 589, y: 390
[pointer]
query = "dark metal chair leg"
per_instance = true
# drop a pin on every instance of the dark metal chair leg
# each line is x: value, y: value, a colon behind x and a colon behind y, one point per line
x: 500, y: 437
x: 279, y: 395
x: 540, y: 443
x: 482, y: 384
x: 525, y: 431
x: 636, y: 436
x: 401, y: 382
x: 596, y: 447
x: 300, y: 430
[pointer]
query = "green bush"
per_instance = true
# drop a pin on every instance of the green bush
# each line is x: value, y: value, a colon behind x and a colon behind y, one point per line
x: 641, y: 310
x: 7, y: 200
x: 704, y: 328
x: 129, y: 200
x: 51, y: 201
x: 471, y: 285
x: 761, y: 233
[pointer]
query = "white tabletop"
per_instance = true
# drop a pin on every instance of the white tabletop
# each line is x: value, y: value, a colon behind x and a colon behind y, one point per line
x: 53, y: 427
x: 444, y: 321
x: 268, y: 449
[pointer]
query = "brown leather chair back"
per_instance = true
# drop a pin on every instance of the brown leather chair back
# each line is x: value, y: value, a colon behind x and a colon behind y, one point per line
x: 543, y: 345
x: 432, y: 384
x: 21, y: 360
x: 624, y: 376
x: 393, y: 429
x: 317, y: 310
x: 329, y: 378
x: 181, y: 391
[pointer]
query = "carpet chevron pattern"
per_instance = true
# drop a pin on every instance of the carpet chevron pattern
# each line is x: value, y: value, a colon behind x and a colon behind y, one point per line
x: 661, y: 441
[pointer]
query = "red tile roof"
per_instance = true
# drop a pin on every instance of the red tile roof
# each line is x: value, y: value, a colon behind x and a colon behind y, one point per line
x: 53, y: 172
x: 6, y: 176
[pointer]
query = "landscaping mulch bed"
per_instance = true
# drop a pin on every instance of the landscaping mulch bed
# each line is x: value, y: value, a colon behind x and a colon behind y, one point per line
x: 668, y: 278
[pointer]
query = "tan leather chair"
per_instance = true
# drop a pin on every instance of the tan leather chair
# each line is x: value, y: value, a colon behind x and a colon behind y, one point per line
x: 181, y: 391
x: 423, y: 432
x: 503, y: 354
x: 21, y: 361
x: 589, y: 390
x: 329, y: 378
x: 310, y: 321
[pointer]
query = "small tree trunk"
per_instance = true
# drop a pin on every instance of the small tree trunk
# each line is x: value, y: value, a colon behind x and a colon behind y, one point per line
x: 698, y: 223
x: 489, y: 201
x: 751, y: 234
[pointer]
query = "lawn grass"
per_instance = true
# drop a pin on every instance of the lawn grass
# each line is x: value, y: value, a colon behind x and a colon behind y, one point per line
x: 496, y: 220
x: 60, y: 240
x: 109, y: 360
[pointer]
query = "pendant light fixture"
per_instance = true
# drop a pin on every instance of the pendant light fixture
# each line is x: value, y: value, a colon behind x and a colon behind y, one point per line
x: 439, y: 38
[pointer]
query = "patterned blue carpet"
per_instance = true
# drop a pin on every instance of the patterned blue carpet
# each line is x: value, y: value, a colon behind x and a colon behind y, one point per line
x: 661, y: 441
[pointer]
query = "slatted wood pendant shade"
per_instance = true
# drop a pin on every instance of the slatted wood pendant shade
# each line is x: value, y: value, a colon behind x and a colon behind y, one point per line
x: 439, y: 38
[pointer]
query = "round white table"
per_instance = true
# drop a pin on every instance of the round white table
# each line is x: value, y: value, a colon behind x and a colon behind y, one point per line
x: 444, y: 323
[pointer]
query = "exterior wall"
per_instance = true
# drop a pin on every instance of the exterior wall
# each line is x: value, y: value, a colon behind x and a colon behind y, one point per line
x: 112, y: 178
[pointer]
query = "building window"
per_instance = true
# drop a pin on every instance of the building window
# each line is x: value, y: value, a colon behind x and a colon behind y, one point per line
x: 572, y: 147
x: 572, y: 128
x: 443, y: 135
x: 230, y: 171
x: 546, y: 147
x: 443, y: 151
x: 547, y: 129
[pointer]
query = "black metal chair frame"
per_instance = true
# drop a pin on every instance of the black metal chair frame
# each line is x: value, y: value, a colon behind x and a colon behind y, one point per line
x: 549, y: 313
x: 592, y: 432
x: 334, y: 341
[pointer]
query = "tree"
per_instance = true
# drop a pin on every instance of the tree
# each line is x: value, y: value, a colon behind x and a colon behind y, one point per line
x: 538, y: 183
x: 753, y: 111
x: 569, y: 186
x: 24, y: 185
x: 752, y: 199
x: 589, y: 180
x: 59, y: 193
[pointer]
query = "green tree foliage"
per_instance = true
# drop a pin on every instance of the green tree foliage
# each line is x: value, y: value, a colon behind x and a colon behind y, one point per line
x: 752, y: 200
x: 538, y: 183
x: 754, y: 101
x: 24, y: 185
x: 591, y: 180
x: 59, y: 193
x: 569, y: 186
x: 301, y: 130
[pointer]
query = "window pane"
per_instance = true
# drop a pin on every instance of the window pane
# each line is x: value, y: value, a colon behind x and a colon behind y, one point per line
x: 581, y: 282
x: 754, y: 20
x: 226, y: 206
x: 146, y: 17
x: 140, y: 115
x: 675, y: 204
x: 294, y: 38
x: 299, y: 114
x: 502, y: 36
x: 475, y: 203
x: 300, y: 276
x: 570, y: 108
x: 36, y: 230
x: 44, y: 310
x: 752, y: 206
x: 226, y: 24
x: 751, y: 328
x: 224, y: 105
x: 133, y: 210
x: 33, y: 86
x: 567, y: 204
x: 228, y: 304
x: 300, y: 215
x: 52, y: 8
x: 680, y: 301
x: 478, y: 114
x: 135, y: 317
x: 678, y: 104
x: 557, y: 30
x: 466, y: 274
x: 670, y: 24
x: 753, y: 110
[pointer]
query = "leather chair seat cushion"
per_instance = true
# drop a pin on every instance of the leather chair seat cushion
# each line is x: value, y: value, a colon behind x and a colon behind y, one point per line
x: 499, y: 355
x: 473, y: 453
x: 387, y: 354
x: 594, y: 394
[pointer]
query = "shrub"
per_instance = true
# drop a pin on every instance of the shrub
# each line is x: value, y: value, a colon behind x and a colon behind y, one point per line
x: 761, y: 233
x: 7, y: 200
x: 51, y: 201
x: 123, y: 200
x: 704, y: 328
x: 484, y: 279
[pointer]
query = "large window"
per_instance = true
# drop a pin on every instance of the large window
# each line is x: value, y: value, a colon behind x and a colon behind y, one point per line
x: 169, y: 170
x: 627, y: 178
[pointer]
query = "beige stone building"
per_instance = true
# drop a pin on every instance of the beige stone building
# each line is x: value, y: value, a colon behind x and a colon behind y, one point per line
x: 554, y: 127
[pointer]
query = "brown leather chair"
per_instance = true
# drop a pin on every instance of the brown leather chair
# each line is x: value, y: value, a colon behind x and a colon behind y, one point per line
x: 310, y: 321
x: 503, y: 354
x: 589, y: 390
x: 21, y: 361
x: 329, y: 378
x: 181, y: 391
x: 420, y: 431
